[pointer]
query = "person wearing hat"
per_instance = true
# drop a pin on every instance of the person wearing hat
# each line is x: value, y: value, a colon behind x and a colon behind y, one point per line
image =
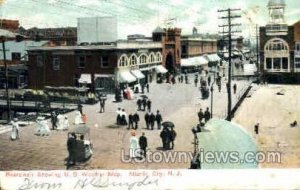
x: 136, y: 119
x: 158, y: 119
x: 143, y: 144
x: 15, y: 130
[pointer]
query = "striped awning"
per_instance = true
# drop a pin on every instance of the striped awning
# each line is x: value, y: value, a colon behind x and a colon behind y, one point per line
x: 137, y: 73
x: 126, y: 77
x: 160, y: 69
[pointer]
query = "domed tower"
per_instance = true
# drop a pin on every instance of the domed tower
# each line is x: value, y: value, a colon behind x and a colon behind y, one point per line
x: 277, y: 24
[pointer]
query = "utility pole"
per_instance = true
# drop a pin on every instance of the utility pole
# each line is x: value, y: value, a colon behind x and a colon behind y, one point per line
x: 257, y: 49
x: 6, y: 81
x: 229, y: 19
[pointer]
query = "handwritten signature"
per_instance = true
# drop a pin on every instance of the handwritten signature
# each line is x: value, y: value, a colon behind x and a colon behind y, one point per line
x: 87, y: 183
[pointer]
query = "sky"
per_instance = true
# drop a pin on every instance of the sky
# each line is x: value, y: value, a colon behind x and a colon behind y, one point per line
x: 143, y: 16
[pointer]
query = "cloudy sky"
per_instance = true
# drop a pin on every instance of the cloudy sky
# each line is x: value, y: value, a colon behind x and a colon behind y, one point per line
x: 142, y: 16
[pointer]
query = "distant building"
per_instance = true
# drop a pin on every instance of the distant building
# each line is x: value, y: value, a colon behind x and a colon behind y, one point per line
x: 280, y: 46
x: 171, y: 52
x: 198, y: 53
x: 11, y: 25
x: 192, y: 45
x: 16, y: 59
x: 97, y: 29
x: 66, y: 36
x: 138, y: 37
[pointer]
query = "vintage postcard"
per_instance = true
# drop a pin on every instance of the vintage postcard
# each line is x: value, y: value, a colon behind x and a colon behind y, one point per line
x: 149, y: 94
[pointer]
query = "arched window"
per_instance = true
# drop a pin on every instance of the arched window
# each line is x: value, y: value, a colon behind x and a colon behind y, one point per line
x: 152, y: 58
x: 133, y: 59
x: 158, y: 57
x: 276, y: 56
x: 143, y: 59
x: 276, y: 44
x: 123, y: 61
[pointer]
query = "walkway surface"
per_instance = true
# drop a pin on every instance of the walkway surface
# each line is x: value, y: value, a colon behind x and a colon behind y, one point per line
x: 178, y: 103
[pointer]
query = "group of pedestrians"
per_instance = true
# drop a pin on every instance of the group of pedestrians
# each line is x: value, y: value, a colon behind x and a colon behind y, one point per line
x: 144, y: 104
x: 150, y: 120
x: 121, y: 117
x: 133, y: 120
x: 204, y: 115
x: 168, y: 137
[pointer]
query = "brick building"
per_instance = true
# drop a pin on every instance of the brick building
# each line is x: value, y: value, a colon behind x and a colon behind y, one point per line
x: 121, y: 62
x: 11, y: 25
x: 280, y: 46
x: 171, y: 52
x: 192, y: 46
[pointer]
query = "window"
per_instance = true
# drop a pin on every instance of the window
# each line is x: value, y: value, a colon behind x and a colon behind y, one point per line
x: 297, y: 63
x: 269, y: 63
x: 15, y: 56
x: 297, y: 47
x: 133, y: 60
x: 56, y: 63
x: 285, y: 63
x: 39, y: 61
x: 152, y: 58
x: 104, y: 61
x: 123, y: 61
x: 276, y: 63
x: 81, y: 61
x: 276, y: 44
x: 158, y: 57
x: 143, y: 59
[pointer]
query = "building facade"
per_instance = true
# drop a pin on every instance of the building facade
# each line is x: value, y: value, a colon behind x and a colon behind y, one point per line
x: 279, y: 46
x: 171, y: 47
x: 98, y: 66
x: 194, y: 46
x: 11, y: 25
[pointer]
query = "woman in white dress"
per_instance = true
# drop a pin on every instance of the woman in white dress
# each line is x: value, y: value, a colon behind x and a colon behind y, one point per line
x: 134, y: 146
x: 78, y: 118
x: 60, y: 122
x: 15, y: 130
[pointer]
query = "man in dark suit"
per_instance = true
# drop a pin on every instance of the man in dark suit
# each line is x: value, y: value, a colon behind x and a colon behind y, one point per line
x: 144, y: 103
x: 200, y: 115
x: 158, y: 119
x: 72, y: 145
x: 152, y: 120
x: 136, y: 119
x: 207, y: 115
x: 149, y: 105
x: 130, y: 121
x: 139, y: 103
x: 143, y: 144
x: 147, y: 116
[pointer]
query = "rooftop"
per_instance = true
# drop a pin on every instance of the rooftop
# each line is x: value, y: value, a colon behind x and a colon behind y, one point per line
x: 121, y: 44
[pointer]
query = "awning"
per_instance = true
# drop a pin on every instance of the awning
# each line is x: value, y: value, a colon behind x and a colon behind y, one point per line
x: 160, y: 69
x: 126, y: 77
x: 137, y: 73
x: 194, y: 61
x: 200, y: 61
x: 213, y: 58
x: 186, y: 62
x: 103, y: 76
x: 85, y: 78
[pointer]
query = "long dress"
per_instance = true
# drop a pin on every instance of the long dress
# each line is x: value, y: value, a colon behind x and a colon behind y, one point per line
x: 42, y: 127
x: 78, y: 118
x: 134, y: 147
x: 15, y: 131
x: 60, y: 122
